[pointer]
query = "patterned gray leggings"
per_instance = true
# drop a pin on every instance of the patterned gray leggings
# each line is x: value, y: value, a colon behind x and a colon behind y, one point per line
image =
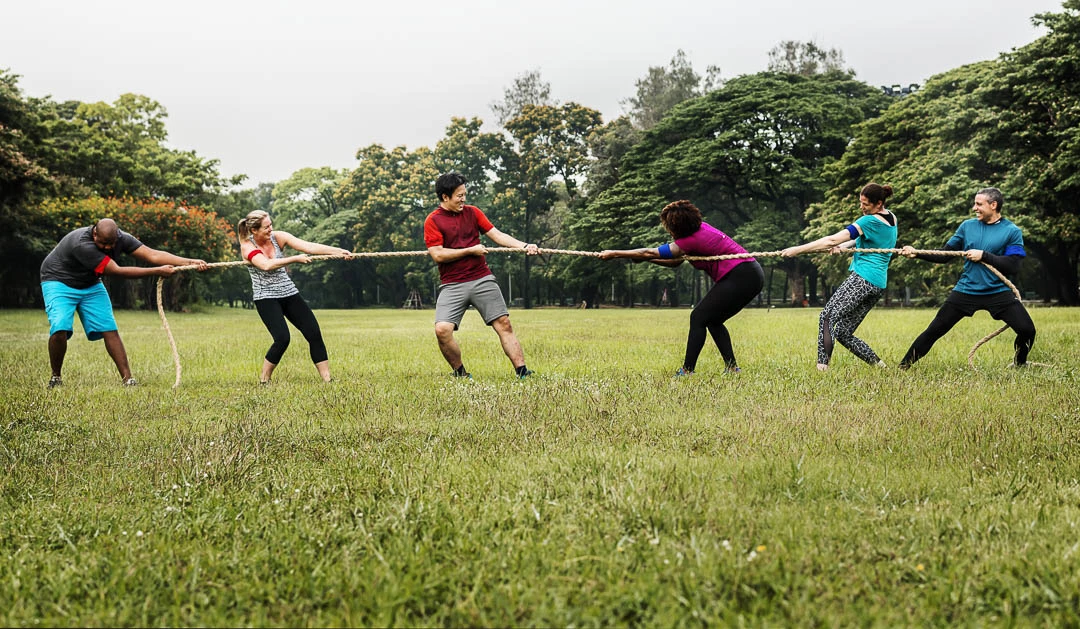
x: 846, y: 309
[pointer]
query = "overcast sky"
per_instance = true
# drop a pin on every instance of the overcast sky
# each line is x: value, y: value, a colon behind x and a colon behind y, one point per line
x: 271, y: 86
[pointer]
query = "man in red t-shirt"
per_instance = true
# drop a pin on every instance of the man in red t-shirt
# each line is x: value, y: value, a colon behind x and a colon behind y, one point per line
x: 452, y: 236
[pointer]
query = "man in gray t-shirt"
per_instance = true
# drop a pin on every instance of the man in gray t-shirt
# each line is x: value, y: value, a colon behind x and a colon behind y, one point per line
x: 71, y: 282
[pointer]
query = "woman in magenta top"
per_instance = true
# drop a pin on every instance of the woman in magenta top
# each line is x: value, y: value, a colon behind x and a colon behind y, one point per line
x: 737, y: 281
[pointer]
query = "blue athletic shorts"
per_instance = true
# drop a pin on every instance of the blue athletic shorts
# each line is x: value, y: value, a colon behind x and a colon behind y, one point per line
x: 93, y: 305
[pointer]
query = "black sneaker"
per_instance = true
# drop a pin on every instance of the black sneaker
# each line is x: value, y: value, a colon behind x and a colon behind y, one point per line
x: 525, y: 374
x: 466, y: 375
x: 55, y: 381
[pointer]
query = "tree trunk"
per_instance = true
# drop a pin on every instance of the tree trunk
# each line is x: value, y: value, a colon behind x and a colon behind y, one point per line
x: 796, y: 285
x: 768, y: 290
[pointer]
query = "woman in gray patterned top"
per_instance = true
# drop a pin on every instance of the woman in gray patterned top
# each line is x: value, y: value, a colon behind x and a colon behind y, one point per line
x: 276, y: 297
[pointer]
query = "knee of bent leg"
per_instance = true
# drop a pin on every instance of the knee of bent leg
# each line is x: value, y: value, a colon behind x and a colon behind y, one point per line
x: 698, y: 318
x: 282, y: 339
x: 502, y: 325
x: 444, y: 330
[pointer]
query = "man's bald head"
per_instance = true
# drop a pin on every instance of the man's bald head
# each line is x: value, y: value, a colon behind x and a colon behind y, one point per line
x: 105, y: 233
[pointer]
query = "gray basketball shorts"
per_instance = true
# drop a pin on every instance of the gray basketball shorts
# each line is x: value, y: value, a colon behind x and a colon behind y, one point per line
x: 483, y: 294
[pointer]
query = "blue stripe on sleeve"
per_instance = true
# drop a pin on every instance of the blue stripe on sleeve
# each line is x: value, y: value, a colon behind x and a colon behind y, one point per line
x: 1015, y: 250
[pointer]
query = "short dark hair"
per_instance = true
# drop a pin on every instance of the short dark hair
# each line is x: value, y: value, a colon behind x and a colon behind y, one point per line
x: 447, y: 183
x: 993, y: 195
x: 681, y: 218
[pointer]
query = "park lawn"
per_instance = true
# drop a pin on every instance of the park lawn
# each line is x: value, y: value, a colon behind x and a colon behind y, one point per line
x: 600, y: 491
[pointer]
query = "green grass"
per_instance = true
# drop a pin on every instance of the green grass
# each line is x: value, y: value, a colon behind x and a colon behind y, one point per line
x: 600, y: 492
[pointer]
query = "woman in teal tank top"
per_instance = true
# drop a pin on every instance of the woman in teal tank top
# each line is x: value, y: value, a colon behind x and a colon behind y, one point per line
x: 852, y: 301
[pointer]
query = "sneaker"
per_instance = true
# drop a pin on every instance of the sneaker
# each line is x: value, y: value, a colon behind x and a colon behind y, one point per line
x: 683, y: 371
x: 465, y: 376
x: 528, y: 372
x: 732, y: 370
x: 55, y: 381
x: 130, y: 382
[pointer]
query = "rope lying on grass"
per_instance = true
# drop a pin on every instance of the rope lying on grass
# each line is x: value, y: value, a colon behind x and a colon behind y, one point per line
x: 570, y: 252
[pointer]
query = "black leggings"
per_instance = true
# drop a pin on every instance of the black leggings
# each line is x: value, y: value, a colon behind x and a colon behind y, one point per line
x: 723, y: 301
x: 274, y: 312
x: 1001, y: 306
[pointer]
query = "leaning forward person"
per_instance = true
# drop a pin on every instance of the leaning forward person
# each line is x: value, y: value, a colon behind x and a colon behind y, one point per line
x: 736, y: 282
x: 71, y: 282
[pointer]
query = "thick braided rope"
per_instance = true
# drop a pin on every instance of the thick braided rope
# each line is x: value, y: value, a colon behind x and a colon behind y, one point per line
x: 571, y: 252
x: 168, y: 330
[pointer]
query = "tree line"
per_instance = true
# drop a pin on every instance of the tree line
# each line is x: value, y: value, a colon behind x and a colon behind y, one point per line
x: 772, y: 158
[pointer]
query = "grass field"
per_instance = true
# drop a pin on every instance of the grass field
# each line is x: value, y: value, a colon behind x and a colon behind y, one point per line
x: 599, y: 492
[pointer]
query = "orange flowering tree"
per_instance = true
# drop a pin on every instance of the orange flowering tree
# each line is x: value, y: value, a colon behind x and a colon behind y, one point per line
x: 183, y: 230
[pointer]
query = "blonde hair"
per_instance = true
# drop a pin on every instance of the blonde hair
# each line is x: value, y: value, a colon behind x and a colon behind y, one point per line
x: 249, y: 223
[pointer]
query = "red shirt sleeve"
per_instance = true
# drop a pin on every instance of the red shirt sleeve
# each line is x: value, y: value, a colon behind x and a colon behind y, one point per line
x: 252, y: 254
x: 482, y: 221
x: 432, y: 236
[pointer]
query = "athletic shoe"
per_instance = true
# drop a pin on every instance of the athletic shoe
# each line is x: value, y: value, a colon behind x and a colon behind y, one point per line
x: 732, y: 370
x: 683, y: 371
x: 55, y: 381
x: 466, y: 375
x: 528, y: 372
x: 130, y: 382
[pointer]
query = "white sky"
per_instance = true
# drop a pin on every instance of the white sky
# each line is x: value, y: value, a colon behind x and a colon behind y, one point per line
x: 272, y: 86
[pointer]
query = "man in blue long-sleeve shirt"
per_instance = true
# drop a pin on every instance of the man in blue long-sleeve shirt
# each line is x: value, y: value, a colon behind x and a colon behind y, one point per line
x: 998, y: 242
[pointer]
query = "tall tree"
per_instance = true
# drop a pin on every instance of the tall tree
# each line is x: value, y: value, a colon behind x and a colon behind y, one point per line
x: 481, y: 157
x: 919, y: 146
x: 1037, y: 102
x: 391, y: 192
x: 664, y: 87
x: 527, y: 89
x: 806, y: 59
x: 22, y: 135
x: 119, y: 149
x: 1010, y: 123
x: 749, y: 155
x: 306, y: 198
x: 551, y: 155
